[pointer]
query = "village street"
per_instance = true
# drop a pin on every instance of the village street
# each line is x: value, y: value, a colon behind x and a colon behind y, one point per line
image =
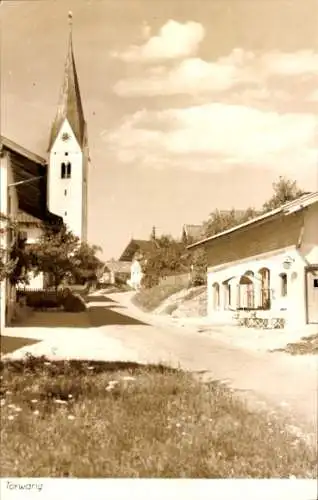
x: 114, y: 330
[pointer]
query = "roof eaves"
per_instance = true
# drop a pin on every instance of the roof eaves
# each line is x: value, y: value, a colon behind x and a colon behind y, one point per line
x: 287, y: 208
x: 20, y: 150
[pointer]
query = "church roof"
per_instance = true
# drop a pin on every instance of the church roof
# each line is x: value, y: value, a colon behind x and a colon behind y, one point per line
x: 70, y: 103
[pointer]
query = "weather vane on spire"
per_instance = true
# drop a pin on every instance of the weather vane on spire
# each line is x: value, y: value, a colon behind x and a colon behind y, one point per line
x: 70, y: 19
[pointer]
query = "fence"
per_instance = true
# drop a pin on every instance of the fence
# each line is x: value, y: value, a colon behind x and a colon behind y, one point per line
x: 178, y: 279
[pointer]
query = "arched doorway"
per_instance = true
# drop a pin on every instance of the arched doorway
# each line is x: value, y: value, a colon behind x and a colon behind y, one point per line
x: 265, y: 277
x: 246, y: 291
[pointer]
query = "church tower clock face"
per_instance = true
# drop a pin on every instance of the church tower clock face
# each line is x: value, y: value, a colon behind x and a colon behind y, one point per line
x: 65, y: 137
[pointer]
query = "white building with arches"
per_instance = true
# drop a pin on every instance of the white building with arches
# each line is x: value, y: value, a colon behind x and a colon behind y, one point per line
x: 267, y: 266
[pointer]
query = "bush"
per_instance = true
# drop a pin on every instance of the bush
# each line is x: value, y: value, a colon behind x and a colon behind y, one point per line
x: 73, y: 302
x: 170, y: 308
x: 198, y: 280
x: 43, y: 299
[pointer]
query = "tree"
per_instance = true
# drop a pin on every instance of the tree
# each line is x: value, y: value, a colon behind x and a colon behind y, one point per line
x: 53, y: 254
x: 169, y: 257
x: 87, y: 266
x: 220, y: 221
x: 13, y: 260
x: 285, y: 190
x: 60, y: 255
x: 198, y: 266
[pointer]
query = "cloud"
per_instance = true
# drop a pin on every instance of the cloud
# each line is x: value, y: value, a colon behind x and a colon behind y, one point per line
x: 293, y: 64
x: 313, y: 96
x: 175, y: 40
x: 189, y: 77
x: 212, y: 136
x: 196, y: 76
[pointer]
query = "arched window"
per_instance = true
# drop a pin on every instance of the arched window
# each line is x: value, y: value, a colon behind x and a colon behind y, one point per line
x: 63, y: 170
x: 283, y: 284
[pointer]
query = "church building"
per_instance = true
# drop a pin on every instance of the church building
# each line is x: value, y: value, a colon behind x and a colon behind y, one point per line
x: 67, y: 174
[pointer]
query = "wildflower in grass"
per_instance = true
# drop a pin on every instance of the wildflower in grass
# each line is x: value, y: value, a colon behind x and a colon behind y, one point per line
x: 11, y: 406
x: 60, y: 402
x: 3, y: 402
x: 18, y: 409
x: 71, y: 417
x: 47, y: 363
x: 36, y: 412
x: 10, y: 417
x: 34, y: 400
x: 178, y: 424
x: 90, y: 368
x: 128, y: 378
x: 70, y: 396
x: 8, y: 393
x: 111, y: 385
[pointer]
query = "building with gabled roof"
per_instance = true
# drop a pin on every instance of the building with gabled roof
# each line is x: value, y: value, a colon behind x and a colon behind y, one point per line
x: 23, y: 202
x: 54, y: 189
x: 266, y: 267
x: 192, y: 232
x: 137, y: 248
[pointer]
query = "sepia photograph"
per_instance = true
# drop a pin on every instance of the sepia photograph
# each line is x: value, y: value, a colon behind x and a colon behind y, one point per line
x: 159, y: 248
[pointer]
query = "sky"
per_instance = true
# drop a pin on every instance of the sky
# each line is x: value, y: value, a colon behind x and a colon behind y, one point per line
x: 190, y: 105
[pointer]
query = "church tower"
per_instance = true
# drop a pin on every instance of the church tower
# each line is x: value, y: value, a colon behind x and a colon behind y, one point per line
x: 68, y: 153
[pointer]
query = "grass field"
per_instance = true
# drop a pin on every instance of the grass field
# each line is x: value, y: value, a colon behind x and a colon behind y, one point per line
x: 307, y: 345
x: 10, y: 344
x: 85, y: 419
x: 149, y: 299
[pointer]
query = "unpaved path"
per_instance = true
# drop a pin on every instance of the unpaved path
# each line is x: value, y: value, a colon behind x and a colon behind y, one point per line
x: 289, y: 383
x: 114, y: 330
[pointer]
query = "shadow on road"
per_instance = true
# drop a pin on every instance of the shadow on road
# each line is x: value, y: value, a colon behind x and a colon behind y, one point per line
x: 10, y: 344
x: 55, y: 319
x: 99, y: 298
x: 101, y: 316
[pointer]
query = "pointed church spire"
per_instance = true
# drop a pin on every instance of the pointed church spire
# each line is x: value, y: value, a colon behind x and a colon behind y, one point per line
x: 70, y: 103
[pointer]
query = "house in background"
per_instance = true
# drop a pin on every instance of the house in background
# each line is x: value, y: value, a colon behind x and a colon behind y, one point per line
x: 115, y: 271
x: 192, y: 233
x: 135, y: 254
x: 23, y: 201
x: 267, y: 266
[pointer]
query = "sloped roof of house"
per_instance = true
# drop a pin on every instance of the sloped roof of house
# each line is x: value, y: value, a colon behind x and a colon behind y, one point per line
x: 30, y: 171
x: 27, y: 219
x: 193, y: 231
x: 117, y: 266
x: 286, y: 209
x: 143, y: 246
